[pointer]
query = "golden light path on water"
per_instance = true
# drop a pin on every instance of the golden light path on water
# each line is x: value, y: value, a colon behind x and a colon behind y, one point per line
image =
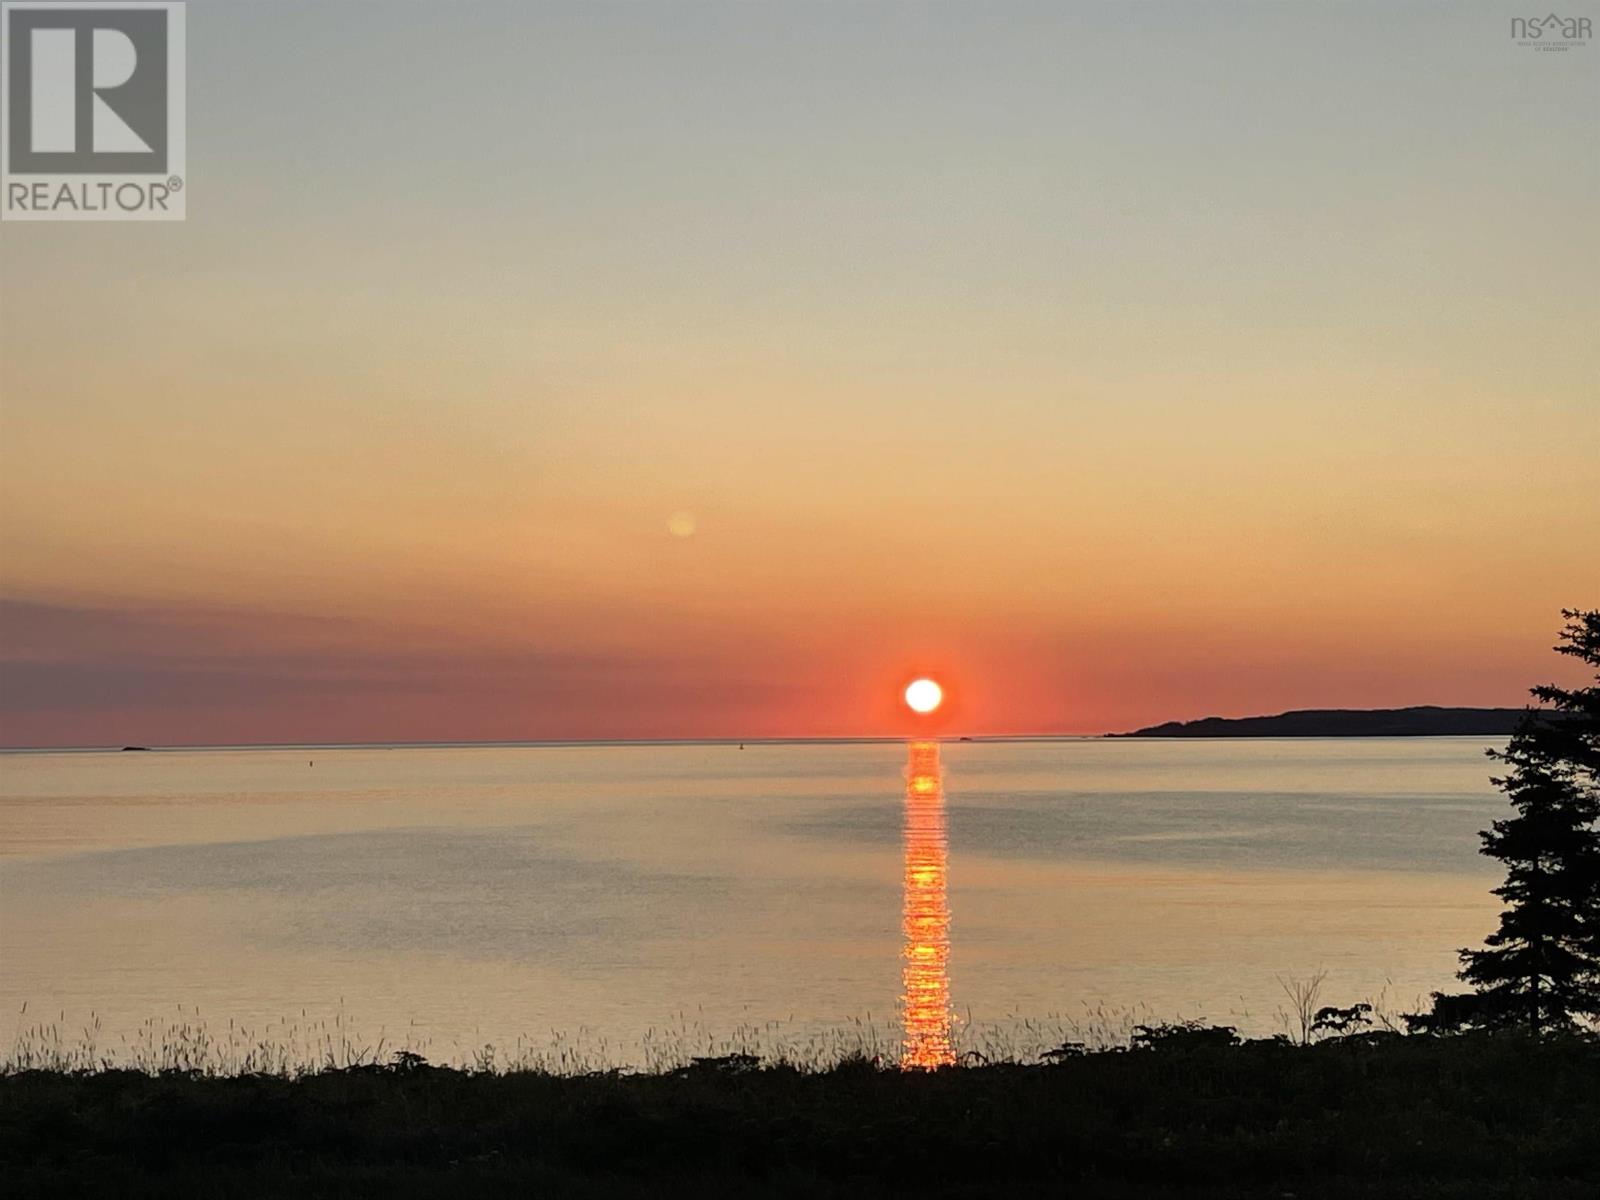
x: 925, y: 1003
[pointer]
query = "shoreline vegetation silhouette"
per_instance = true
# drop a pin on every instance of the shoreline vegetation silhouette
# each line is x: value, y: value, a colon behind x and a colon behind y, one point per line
x: 1181, y: 1111
x: 1489, y: 1092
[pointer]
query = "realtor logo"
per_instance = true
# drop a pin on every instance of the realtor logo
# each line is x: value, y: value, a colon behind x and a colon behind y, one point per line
x: 92, y: 111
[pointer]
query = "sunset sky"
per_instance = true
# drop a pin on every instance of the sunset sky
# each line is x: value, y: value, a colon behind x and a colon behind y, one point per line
x: 634, y: 370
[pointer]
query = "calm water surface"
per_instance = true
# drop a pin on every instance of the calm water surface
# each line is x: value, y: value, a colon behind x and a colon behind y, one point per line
x: 451, y: 897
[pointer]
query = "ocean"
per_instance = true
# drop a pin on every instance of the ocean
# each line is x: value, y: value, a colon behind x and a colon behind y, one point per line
x: 631, y: 904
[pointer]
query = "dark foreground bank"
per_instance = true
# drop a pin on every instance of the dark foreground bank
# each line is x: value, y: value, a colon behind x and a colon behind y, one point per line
x: 1470, y: 1117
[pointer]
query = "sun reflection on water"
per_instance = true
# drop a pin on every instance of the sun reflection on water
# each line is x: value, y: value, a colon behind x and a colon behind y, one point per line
x: 925, y: 1004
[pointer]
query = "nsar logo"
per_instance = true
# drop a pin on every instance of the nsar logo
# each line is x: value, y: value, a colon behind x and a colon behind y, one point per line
x: 1551, y: 32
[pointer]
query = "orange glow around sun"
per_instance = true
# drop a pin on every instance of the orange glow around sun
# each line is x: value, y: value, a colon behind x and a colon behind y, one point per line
x: 926, y: 916
x: 923, y: 695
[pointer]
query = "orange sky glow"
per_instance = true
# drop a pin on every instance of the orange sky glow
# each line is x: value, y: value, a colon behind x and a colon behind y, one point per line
x: 771, y: 359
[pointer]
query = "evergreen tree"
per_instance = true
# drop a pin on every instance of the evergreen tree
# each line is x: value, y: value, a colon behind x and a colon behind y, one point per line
x: 1576, y: 740
x: 1540, y: 969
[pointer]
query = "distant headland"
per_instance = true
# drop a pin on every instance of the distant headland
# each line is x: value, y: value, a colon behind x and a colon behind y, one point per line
x: 1424, y: 721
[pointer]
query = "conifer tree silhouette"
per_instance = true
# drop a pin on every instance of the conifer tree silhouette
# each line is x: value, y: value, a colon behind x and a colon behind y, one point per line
x: 1540, y: 970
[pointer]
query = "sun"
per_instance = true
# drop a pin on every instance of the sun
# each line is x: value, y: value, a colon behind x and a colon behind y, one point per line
x: 923, y: 695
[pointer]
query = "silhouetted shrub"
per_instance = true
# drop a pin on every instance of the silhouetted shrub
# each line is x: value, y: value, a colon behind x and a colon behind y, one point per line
x: 1063, y: 1052
x: 722, y: 1064
x: 1342, y: 1022
x: 1184, y: 1035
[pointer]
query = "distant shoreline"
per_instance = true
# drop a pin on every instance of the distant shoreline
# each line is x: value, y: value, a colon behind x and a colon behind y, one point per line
x: 1421, y: 721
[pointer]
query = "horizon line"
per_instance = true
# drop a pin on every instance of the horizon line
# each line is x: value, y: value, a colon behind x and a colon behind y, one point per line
x: 788, y: 740
x: 860, y: 739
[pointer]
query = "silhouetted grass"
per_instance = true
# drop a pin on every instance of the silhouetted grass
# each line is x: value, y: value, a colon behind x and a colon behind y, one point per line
x: 301, y: 1044
x: 1381, y: 1116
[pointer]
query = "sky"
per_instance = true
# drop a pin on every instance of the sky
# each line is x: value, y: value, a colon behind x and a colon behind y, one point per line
x: 641, y: 370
